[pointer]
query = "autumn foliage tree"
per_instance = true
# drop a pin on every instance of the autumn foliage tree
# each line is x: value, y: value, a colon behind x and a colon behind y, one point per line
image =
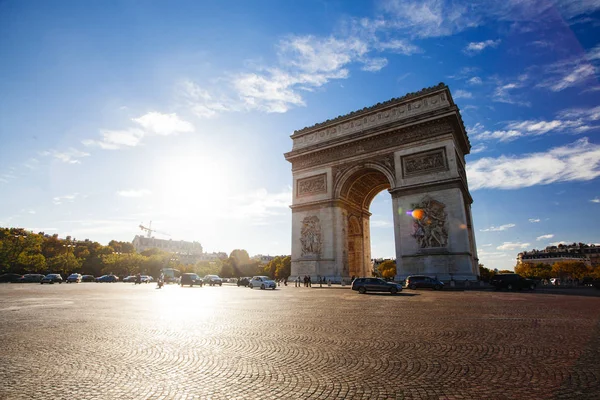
x: 387, y: 269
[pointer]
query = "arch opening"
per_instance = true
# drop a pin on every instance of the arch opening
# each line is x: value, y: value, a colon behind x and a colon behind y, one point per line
x: 359, y: 190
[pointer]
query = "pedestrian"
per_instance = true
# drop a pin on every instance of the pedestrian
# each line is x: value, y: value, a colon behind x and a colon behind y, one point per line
x: 285, y: 281
x: 309, y: 281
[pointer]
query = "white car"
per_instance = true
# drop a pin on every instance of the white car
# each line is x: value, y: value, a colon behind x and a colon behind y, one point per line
x: 263, y: 282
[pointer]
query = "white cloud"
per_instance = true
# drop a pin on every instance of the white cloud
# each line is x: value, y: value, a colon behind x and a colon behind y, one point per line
x: 575, y: 77
x: 571, y: 72
x: 475, y: 81
x: 462, y: 94
x: 583, y: 121
x: 498, y: 228
x: 113, y: 140
x: 534, y: 220
x: 69, y: 155
x: 375, y: 64
x: 152, y: 123
x: 69, y: 198
x: 477, y: 47
x: 512, y: 246
x: 399, y: 46
x: 596, y: 200
x: 163, y: 124
x: 133, y: 193
x: 429, y: 18
x: 543, y: 237
x: 478, y: 148
x: 578, y: 161
x: 504, y: 92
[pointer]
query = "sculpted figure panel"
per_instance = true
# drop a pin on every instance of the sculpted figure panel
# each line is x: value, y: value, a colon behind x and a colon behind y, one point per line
x: 430, y: 226
x: 426, y: 162
x: 312, y: 185
x: 311, y: 237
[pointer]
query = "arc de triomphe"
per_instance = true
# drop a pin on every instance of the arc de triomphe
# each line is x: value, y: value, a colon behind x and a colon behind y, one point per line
x: 415, y: 147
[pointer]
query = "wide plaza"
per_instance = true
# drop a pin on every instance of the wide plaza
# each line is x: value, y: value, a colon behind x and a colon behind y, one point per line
x: 121, y: 341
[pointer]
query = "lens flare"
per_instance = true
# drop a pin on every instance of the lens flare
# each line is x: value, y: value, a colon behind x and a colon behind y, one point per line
x: 462, y: 226
x: 418, y: 214
x: 400, y: 210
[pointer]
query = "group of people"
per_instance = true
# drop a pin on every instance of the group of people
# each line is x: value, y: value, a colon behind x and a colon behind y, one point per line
x: 307, y: 281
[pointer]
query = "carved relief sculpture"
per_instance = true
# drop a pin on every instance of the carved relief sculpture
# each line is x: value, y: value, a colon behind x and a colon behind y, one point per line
x: 430, y: 226
x: 311, y: 237
x: 312, y: 185
x: 425, y: 162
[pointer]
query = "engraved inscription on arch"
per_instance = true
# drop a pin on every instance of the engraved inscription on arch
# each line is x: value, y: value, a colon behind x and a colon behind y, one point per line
x: 424, y: 162
x: 311, y: 185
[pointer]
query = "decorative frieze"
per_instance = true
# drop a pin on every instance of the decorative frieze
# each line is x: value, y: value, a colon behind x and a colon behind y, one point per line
x: 392, y: 114
x: 424, y: 163
x: 311, y: 185
x: 372, y: 144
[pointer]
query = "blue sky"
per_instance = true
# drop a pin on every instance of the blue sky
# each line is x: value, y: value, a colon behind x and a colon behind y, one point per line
x: 114, y: 113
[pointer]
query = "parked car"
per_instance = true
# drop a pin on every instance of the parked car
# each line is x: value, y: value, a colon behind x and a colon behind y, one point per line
x: 147, y: 279
x: 511, y: 282
x: 130, y: 278
x: 423, y: 281
x: 52, y: 278
x: 107, y: 278
x: 31, y: 278
x: 596, y: 283
x: 74, y: 278
x: 190, y: 279
x: 212, y: 280
x: 364, y: 285
x: 243, y: 281
x: 263, y: 282
x: 88, y: 278
x: 10, y: 278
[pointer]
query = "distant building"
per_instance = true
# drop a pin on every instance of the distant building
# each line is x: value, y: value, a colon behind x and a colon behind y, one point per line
x: 213, y: 256
x: 587, y: 253
x: 186, y: 252
x: 262, y: 259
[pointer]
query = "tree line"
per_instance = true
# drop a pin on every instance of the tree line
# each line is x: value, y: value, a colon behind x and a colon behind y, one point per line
x: 25, y: 252
x: 573, y: 270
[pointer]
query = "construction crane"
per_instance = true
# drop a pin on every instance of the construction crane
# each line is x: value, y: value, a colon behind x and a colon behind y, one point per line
x: 149, y: 230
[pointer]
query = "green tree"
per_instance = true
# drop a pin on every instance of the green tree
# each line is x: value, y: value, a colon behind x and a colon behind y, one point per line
x: 65, y: 263
x: 534, y: 271
x: 570, y: 269
x: 485, y: 274
x: 284, y: 269
x: 387, y: 269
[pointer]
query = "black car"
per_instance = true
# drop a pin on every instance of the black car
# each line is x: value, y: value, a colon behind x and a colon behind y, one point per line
x: 511, y: 282
x: 10, y: 278
x: 423, y: 281
x: 88, y: 278
x: 243, y: 281
x: 31, y: 278
x: 107, y: 278
x: 52, y: 278
x: 364, y: 285
x: 191, y: 279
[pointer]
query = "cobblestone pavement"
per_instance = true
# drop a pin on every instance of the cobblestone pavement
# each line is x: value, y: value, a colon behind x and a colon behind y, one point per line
x: 120, y: 341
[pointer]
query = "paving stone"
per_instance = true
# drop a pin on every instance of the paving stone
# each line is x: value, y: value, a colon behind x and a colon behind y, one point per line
x: 121, y: 341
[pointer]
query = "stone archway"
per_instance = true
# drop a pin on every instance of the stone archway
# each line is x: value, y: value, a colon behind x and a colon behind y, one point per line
x: 414, y: 147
